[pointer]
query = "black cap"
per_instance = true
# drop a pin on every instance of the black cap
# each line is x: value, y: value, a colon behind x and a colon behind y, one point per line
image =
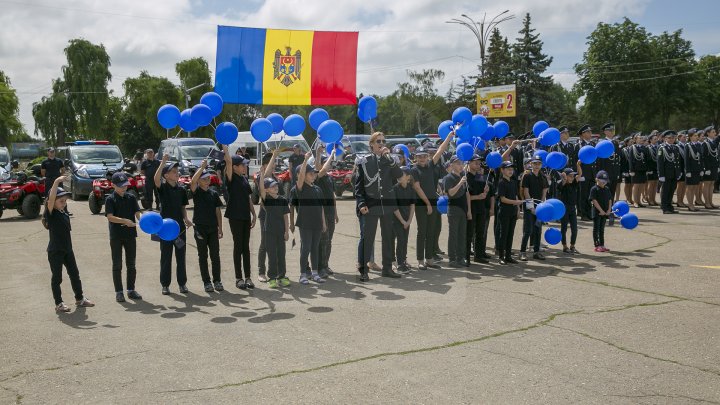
x: 206, y: 174
x: 476, y: 158
x: 569, y: 171
x: 310, y: 168
x: 608, y: 126
x: 583, y: 128
x: 602, y: 175
x: 669, y: 132
x: 407, y: 170
x: 269, y: 182
x: 691, y: 131
x: 505, y: 164
x: 421, y: 150
x: 563, y: 128
x: 61, y: 193
x: 453, y: 159
x: 239, y: 160
x: 120, y: 179
x: 169, y: 167
x: 510, y: 135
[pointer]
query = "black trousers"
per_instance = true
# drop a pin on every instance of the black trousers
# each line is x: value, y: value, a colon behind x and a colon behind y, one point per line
x: 166, y: 253
x: 425, y: 245
x: 386, y: 233
x: 116, y: 248
x: 206, y: 238
x: 240, y: 230
x: 584, y: 194
x: 666, y: 193
x: 505, y: 234
x: 400, y: 234
x: 477, y: 228
x: 262, y: 251
x: 326, y: 242
x: 599, y: 230
x: 150, y: 192
x: 276, y: 255
x: 457, y: 234
x: 57, y: 259
x: 531, y: 232
x: 309, y: 248
x: 436, y: 238
x: 569, y: 218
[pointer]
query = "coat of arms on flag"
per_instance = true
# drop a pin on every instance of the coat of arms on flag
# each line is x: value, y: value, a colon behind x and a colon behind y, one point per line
x: 287, y: 67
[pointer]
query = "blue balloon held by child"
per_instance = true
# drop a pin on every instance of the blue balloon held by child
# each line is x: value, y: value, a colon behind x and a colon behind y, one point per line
x: 442, y: 204
x: 549, y: 137
x: 444, y: 129
x: 317, y: 117
x: 629, y: 221
x: 605, y: 149
x: 556, y: 160
x: 201, y: 115
x: 337, y: 147
x: 501, y: 129
x: 261, y: 129
x: 214, y: 101
x: 493, y: 160
x: 367, y: 108
x: 539, y: 127
x: 186, y: 121
x: 587, y: 154
x: 168, y: 116
x: 294, y: 125
x: 553, y: 236
x: 621, y: 208
x: 544, y: 212
x: 478, y: 125
x: 150, y: 222
x: 330, y: 131
x: 226, y: 133
x: 169, y: 230
x: 462, y: 116
x: 277, y: 122
x: 465, y: 152
x: 558, y: 208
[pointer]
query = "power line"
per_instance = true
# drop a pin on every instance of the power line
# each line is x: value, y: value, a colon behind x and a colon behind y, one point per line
x: 658, y: 77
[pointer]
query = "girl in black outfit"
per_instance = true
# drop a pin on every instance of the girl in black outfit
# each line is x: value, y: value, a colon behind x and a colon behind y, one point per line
x: 59, y: 250
x: 600, y: 199
x: 693, y: 169
x: 507, y: 192
x: 240, y: 212
x: 569, y: 189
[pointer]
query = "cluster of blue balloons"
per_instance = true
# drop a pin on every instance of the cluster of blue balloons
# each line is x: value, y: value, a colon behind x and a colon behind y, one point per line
x: 550, y: 210
x: 603, y: 150
x: 166, y: 229
x: 262, y: 129
x: 200, y: 115
x: 628, y: 220
x: 471, y: 130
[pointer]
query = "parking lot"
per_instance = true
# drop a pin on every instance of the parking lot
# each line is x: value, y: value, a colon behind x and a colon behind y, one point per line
x: 640, y: 324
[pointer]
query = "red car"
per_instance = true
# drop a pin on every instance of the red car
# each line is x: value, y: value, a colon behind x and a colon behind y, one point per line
x: 23, y: 194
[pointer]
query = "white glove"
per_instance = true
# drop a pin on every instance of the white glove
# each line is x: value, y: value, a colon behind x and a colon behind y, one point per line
x: 632, y: 173
x: 662, y: 179
x: 582, y: 178
x: 688, y: 175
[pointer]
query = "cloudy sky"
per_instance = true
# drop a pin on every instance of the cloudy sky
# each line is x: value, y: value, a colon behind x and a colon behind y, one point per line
x: 394, y: 35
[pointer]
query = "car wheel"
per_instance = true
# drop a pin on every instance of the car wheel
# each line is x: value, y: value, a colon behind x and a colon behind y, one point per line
x: 94, y: 203
x: 338, y: 192
x: 31, y: 206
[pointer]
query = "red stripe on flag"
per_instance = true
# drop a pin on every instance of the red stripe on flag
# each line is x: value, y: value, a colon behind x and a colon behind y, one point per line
x: 334, y: 68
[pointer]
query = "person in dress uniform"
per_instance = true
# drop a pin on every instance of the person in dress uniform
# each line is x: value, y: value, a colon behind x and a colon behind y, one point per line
x: 625, y: 167
x: 682, y: 137
x: 652, y: 175
x: 693, y: 167
x: 669, y: 170
x: 639, y: 166
x: 711, y: 163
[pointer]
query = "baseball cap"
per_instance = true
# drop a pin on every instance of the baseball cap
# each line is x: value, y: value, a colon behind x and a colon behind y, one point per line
x: 535, y: 158
x: 296, y: 146
x: 476, y: 158
x: 602, y: 175
x: 239, y: 160
x: 51, y: 149
x: 310, y: 168
x: 148, y: 150
x: 205, y: 174
x: 421, y: 151
x: 569, y: 170
x: 453, y: 159
x: 269, y: 182
x: 505, y: 164
x: 120, y: 179
x: 407, y: 170
x: 61, y: 193
x: 169, y: 167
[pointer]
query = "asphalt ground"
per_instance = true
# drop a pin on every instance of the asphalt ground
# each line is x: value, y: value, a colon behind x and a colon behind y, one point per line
x: 640, y: 324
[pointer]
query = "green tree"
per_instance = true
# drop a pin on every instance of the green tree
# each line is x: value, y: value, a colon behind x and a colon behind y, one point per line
x: 499, y: 64
x: 192, y: 73
x: 86, y: 77
x: 11, y: 130
x: 530, y: 65
x: 706, y: 99
x: 672, y: 95
x: 420, y: 105
x: 54, y: 116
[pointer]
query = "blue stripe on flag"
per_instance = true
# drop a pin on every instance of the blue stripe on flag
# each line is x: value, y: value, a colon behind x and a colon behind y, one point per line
x: 239, y: 64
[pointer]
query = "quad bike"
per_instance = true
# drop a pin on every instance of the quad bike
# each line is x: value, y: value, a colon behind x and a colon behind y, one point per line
x: 103, y: 187
x: 341, y: 176
x: 186, y: 179
x: 22, y: 193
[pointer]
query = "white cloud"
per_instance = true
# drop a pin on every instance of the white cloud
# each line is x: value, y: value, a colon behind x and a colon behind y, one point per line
x: 154, y: 35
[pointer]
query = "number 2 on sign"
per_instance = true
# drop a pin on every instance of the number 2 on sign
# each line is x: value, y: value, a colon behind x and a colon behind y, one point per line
x: 509, y: 98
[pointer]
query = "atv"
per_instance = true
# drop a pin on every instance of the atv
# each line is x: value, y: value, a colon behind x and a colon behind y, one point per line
x: 341, y: 176
x: 22, y: 193
x: 102, y: 187
x: 186, y: 179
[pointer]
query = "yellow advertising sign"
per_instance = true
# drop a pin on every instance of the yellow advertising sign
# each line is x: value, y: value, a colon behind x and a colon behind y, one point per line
x: 497, y: 101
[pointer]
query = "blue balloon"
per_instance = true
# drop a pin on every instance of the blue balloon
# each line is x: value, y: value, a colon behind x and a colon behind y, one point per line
x: 549, y: 137
x: 294, y: 125
x: 629, y: 221
x: 442, y: 204
x: 367, y: 108
x: 621, y: 208
x: 330, y: 131
x: 337, y: 146
x: 478, y: 144
x: 493, y: 160
x: 150, y: 222
x: 544, y: 212
x: 556, y: 160
x: 465, y: 152
x: 226, y: 133
x: 587, y: 154
x: 402, y: 148
x: 462, y: 116
x: 501, y: 129
x: 463, y: 133
x: 169, y: 230
x: 444, y: 129
x: 317, y: 117
x: 261, y: 129
x: 186, y: 121
x: 605, y: 149
x: 214, y: 101
x: 489, y: 133
x: 539, y: 127
x: 553, y: 236
x: 277, y: 122
x: 478, y: 125
x: 201, y: 115
x: 558, y: 208
x: 542, y: 154
x: 168, y: 116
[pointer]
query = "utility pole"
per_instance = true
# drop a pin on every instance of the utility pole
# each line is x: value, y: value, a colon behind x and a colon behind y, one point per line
x: 186, y: 92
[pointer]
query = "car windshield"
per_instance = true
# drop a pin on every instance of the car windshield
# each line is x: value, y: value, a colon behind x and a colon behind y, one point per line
x: 4, y: 156
x: 195, y: 152
x: 360, y: 147
x: 89, y: 155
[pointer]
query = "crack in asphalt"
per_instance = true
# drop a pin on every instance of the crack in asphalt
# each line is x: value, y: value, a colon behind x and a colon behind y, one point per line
x: 656, y: 395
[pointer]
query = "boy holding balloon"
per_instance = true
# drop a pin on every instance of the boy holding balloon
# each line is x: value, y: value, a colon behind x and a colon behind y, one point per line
x: 507, y: 193
x: 601, y: 199
x: 568, y: 194
x: 534, y: 189
x: 208, y: 226
x: 121, y: 210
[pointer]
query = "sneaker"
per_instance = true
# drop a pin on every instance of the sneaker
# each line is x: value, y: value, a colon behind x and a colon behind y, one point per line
x: 523, y: 256
x: 566, y: 250
x: 316, y: 278
x: 502, y: 261
x: 454, y: 265
x: 403, y: 269
x: 323, y: 273
x: 273, y: 283
x: 240, y: 283
x: 84, y: 303
x: 431, y: 265
x: 209, y: 287
x: 574, y: 251
x: 166, y: 291
x: 285, y: 282
x: 61, y: 307
x: 510, y: 260
x: 249, y: 284
x: 184, y: 289
x: 598, y: 249
x: 438, y: 258
x: 422, y: 267
x: 262, y: 278
x: 218, y: 286
x: 133, y: 295
x: 120, y: 297
x: 329, y: 271
x: 605, y: 249
x: 304, y: 280
x: 538, y: 256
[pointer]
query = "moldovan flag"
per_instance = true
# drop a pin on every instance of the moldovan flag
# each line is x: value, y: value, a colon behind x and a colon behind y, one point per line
x: 284, y: 67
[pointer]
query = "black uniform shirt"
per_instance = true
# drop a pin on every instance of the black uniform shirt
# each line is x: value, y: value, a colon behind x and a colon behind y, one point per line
x: 426, y: 177
x: 476, y: 185
x: 59, y: 228
x: 205, y: 204
x: 150, y: 167
x: 172, y: 200
x: 121, y: 207
x: 508, y: 189
x: 276, y: 209
x: 459, y: 199
x: 404, y: 197
x: 309, y: 202
x: 328, y: 190
x: 534, y: 184
x: 602, y: 195
x: 52, y: 168
x: 238, y: 206
x: 569, y: 194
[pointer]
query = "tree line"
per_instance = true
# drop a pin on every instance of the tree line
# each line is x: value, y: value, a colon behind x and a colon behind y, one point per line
x: 627, y: 75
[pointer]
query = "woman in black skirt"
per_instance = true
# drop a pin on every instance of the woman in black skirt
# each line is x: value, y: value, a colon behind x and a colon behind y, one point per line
x: 693, y: 169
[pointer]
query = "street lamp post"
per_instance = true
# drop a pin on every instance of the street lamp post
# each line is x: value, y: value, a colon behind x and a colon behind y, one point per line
x: 482, y: 31
x: 187, y: 95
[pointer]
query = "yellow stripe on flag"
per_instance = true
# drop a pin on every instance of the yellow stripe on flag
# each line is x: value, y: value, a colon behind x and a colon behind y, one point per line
x: 287, y: 74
